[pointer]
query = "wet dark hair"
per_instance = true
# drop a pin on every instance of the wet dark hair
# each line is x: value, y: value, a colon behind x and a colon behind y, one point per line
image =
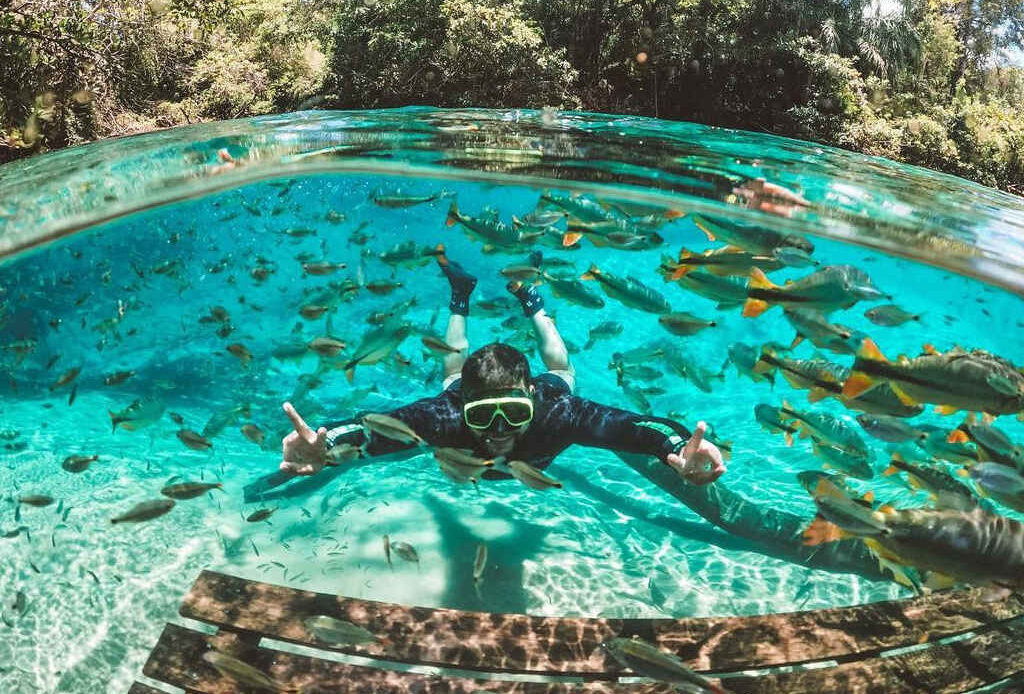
x: 493, y: 367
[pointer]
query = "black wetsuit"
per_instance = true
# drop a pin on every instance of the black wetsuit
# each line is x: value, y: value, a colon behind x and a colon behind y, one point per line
x: 560, y: 419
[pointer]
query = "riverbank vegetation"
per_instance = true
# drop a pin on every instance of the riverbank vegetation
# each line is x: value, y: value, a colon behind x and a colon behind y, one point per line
x: 920, y: 81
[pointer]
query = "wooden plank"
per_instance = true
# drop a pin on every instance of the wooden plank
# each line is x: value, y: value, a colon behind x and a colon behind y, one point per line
x: 177, y: 659
x: 140, y: 688
x: 942, y: 669
x: 520, y: 643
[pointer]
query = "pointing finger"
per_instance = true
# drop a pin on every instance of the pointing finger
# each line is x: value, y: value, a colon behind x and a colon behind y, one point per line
x: 299, y: 423
x: 694, y: 443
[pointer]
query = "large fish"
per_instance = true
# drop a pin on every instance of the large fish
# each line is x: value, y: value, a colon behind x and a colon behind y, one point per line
x: 573, y: 291
x: 826, y: 429
x: 976, y: 381
x: 139, y: 414
x: 992, y: 443
x: 408, y: 255
x: 630, y: 291
x: 376, y: 345
x: 759, y: 240
x: 967, y: 546
x: 828, y: 289
x: 648, y: 660
x: 812, y: 325
x: 727, y: 292
x: 944, y: 489
x: 724, y: 262
x: 489, y: 230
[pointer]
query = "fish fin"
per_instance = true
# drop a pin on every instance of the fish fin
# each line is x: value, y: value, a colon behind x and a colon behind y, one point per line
x: 679, y: 272
x: 702, y: 225
x: 350, y: 374
x: 941, y: 409
x: 571, y: 238
x: 886, y: 509
x: 986, y: 418
x: 759, y: 280
x: 453, y: 215
x: 805, y: 432
x: 590, y: 274
x: 937, y: 581
x: 789, y: 438
x: 929, y: 348
x: 754, y: 308
x: 857, y: 384
x: 796, y: 340
x: 898, y: 572
x: 957, y: 436
x: 673, y: 214
x: 963, y: 472
x: 869, y: 497
x: 821, y: 531
x: 817, y: 394
x: 903, y: 396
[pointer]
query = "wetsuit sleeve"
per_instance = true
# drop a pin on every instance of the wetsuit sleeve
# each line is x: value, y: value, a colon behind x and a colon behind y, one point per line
x: 601, y: 426
x: 435, y: 419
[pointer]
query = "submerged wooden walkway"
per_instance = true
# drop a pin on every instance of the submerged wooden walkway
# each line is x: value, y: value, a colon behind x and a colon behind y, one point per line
x: 952, y: 641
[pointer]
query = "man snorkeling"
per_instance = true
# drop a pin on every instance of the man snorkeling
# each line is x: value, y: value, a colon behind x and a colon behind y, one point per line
x: 492, y: 406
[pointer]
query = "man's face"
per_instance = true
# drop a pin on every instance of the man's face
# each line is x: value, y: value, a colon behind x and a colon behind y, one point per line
x: 500, y: 437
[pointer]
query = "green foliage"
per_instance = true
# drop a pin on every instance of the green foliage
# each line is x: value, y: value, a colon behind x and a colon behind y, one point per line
x: 918, y: 84
x: 444, y: 52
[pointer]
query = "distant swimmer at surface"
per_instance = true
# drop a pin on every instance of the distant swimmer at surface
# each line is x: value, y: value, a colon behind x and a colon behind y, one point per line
x: 494, y: 419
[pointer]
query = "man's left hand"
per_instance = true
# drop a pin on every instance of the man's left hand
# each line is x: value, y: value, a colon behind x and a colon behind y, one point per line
x: 700, y: 461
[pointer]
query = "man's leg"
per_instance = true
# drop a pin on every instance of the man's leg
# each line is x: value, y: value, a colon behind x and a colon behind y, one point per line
x: 462, y: 284
x: 552, y: 348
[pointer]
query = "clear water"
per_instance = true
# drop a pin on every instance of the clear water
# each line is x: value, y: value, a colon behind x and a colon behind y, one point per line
x: 97, y: 595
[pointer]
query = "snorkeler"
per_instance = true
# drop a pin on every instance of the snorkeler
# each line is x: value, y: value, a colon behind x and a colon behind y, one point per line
x: 493, y: 406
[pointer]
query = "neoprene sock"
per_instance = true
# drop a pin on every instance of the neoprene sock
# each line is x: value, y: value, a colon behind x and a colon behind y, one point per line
x: 528, y: 296
x: 462, y: 284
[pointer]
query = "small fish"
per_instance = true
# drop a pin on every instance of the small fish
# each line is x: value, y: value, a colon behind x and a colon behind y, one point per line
x: 887, y: 428
x: 260, y: 515
x: 387, y: 550
x: 176, y: 418
x: 684, y: 324
x: 143, y: 511
x: 313, y: 311
x: 391, y: 428
x: 72, y: 395
x: 396, y: 200
x: 531, y: 476
x: 117, y: 377
x: 243, y: 673
x: 66, y: 378
x: 194, y: 440
x: 253, y: 433
x: 604, y: 330
x: 406, y: 551
x: 322, y: 268
x: 479, y: 562
x: 37, y: 500
x: 241, y: 351
x: 791, y: 256
x: 326, y: 346
x: 934, y: 479
x: 1000, y: 482
x: 630, y: 291
x: 254, y: 547
x: 51, y: 362
x: 338, y: 632
x: 648, y: 660
x: 189, y: 490
x: 137, y: 415
x: 890, y: 315
x: 382, y: 287
x: 78, y: 463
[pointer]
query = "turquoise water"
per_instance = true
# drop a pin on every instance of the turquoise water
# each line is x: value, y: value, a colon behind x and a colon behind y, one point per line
x: 129, y: 291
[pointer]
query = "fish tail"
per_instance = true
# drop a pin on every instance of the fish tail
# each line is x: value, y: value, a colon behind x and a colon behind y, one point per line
x: 821, y: 531
x: 350, y: 373
x: 673, y: 214
x: 591, y: 274
x: 114, y: 421
x: 453, y: 214
x: 571, y: 238
x: 957, y: 436
x: 857, y: 383
x: 758, y: 280
x: 703, y: 226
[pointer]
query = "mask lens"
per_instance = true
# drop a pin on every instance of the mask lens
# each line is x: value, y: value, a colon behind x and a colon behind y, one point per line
x: 480, y: 416
x: 517, y: 413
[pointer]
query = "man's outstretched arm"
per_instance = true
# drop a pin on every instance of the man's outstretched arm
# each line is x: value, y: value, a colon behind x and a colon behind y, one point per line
x: 305, y: 452
x: 698, y: 461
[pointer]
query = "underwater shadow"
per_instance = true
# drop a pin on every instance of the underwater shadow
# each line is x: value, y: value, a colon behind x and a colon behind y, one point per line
x: 501, y: 589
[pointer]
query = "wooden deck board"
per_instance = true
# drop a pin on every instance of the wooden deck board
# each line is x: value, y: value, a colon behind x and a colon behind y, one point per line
x: 177, y: 660
x: 942, y: 669
x: 520, y: 643
x: 140, y: 688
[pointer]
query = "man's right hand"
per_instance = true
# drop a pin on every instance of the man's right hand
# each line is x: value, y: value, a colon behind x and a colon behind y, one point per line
x: 304, y: 451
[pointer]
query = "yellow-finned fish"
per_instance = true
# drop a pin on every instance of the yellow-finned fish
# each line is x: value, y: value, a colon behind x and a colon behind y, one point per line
x: 828, y: 289
x: 976, y: 381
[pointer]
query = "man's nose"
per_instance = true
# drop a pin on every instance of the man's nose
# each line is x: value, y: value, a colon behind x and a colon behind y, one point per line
x: 500, y: 425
